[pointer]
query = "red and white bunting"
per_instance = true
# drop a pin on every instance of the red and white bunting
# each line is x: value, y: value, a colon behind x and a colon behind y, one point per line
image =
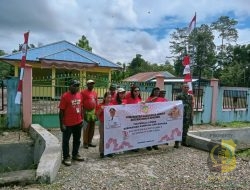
x: 22, y: 65
x: 186, y: 70
x: 186, y: 59
x: 187, y: 73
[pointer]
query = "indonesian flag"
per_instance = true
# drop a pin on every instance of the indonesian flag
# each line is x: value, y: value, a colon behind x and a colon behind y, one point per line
x: 188, y: 80
x: 22, y: 65
x: 192, y: 24
x: 186, y: 60
x: 187, y: 73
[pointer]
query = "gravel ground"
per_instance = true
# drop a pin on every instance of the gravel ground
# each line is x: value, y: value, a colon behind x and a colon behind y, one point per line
x: 167, y: 168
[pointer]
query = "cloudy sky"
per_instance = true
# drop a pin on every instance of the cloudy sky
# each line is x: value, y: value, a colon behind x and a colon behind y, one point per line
x: 116, y: 29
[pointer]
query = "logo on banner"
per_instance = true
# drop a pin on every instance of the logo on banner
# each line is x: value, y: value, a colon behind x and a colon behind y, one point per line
x: 145, y: 108
x: 222, y: 156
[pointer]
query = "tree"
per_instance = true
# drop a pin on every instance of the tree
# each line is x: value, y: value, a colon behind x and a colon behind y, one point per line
x: 5, y: 68
x: 227, y: 32
x: 179, y: 39
x: 84, y: 43
x: 137, y: 65
x: 201, y: 49
x: 237, y: 71
x: 20, y: 47
x: 226, y: 28
x: 203, y: 54
x: 118, y: 75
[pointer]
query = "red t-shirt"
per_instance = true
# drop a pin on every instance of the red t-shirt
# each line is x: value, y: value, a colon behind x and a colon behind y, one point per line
x: 128, y: 94
x: 89, y: 99
x: 158, y: 99
x: 124, y: 101
x: 113, y: 96
x: 131, y: 100
x: 72, y: 106
x: 101, y: 115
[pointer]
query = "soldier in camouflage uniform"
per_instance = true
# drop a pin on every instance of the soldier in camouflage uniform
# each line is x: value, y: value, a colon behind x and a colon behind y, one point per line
x: 187, y: 100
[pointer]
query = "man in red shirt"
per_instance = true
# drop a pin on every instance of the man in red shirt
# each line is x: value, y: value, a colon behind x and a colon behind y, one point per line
x: 70, y: 116
x: 162, y: 95
x: 89, y: 100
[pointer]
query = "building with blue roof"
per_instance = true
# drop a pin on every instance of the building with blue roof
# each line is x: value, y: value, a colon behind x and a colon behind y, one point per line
x: 62, y: 59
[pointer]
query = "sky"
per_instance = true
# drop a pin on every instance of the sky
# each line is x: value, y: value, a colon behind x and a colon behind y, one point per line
x: 116, y: 29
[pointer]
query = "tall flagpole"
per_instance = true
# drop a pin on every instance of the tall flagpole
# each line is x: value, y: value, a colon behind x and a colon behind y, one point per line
x: 22, y: 65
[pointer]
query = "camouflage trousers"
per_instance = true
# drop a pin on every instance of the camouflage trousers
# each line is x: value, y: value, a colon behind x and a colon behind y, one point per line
x: 185, y: 131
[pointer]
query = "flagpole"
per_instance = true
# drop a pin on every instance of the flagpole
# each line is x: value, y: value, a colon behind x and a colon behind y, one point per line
x: 18, y: 98
x: 22, y: 67
x: 186, y: 60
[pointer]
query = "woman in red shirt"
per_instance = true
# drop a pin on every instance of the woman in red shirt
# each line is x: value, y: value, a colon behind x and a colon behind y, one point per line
x: 154, y: 97
x: 100, y: 114
x: 134, y: 97
x: 120, y: 97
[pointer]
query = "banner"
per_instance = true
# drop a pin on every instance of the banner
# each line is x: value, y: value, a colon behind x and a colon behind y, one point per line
x: 132, y: 126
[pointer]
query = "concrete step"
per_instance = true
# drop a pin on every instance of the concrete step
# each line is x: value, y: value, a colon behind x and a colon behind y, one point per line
x: 18, y: 177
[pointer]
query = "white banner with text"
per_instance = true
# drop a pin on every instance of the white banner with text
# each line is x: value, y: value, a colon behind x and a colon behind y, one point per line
x: 132, y: 126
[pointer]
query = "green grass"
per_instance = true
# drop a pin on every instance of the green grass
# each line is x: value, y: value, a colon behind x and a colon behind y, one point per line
x: 3, y: 121
x: 234, y: 124
x: 244, y: 153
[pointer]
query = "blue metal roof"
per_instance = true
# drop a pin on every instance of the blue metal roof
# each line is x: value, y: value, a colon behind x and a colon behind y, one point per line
x: 68, y: 55
x: 62, y: 51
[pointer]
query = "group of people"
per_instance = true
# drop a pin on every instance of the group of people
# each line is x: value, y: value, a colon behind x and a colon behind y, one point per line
x: 81, y: 110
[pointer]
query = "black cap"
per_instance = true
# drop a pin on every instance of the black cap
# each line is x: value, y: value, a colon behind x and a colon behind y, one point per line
x: 74, y: 83
x: 112, y: 86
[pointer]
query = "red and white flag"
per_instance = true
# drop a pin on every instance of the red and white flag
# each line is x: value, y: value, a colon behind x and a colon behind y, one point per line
x: 192, y: 24
x: 22, y: 65
x: 186, y: 70
x: 187, y: 73
x: 186, y: 59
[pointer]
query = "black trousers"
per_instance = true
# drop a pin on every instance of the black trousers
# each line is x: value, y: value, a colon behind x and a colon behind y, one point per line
x: 76, y: 132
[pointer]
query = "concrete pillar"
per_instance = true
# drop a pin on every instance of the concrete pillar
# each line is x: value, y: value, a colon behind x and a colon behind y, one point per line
x: 27, y: 98
x: 160, y: 81
x: 214, y: 83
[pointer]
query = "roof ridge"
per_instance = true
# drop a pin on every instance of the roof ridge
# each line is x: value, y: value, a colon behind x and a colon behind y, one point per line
x: 93, y: 54
x: 67, y: 49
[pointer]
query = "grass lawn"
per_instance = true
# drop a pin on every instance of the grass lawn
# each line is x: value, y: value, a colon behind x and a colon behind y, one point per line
x: 234, y: 124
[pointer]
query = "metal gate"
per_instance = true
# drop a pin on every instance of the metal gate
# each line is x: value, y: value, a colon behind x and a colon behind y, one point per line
x: 46, y: 96
x: 3, y: 104
x: 197, y: 95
